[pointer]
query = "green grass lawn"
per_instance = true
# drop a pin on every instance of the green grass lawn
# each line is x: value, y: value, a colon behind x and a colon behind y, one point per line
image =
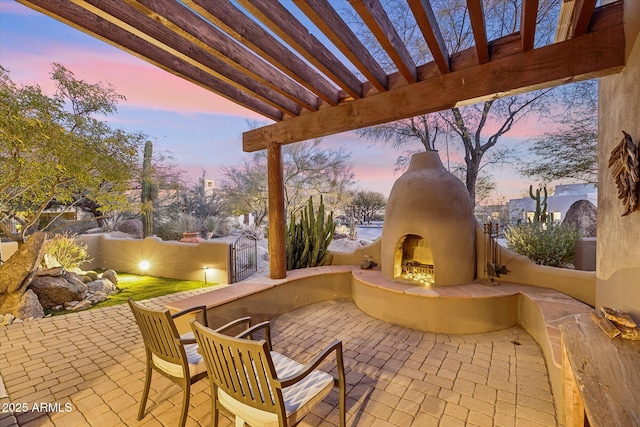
x: 142, y: 287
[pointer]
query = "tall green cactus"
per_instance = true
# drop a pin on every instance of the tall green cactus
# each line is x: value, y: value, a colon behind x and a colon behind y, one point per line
x: 308, y: 240
x: 147, y: 192
x: 540, y: 215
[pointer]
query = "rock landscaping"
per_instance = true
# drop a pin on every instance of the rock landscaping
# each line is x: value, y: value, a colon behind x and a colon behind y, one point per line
x: 26, y: 290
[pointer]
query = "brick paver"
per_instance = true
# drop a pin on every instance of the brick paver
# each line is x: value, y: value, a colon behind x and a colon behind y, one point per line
x: 87, y: 369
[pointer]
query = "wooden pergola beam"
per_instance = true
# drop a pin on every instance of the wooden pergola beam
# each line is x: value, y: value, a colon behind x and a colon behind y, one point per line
x: 594, y: 55
x: 324, y: 16
x: 87, y: 22
x: 227, y: 17
x: 575, y: 17
x: 378, y: 21
x: 428, y: 24
x: 476, y: 16
x: 286, y: 26
x: 528, y: 20
x: 127, y: 18
x: 188, y: 25
x: 582, y: 16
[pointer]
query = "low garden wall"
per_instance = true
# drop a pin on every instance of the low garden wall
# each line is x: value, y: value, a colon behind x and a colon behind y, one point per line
x: 176, y: 260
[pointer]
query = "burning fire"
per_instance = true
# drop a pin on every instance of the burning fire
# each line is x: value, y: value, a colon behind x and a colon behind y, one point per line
x: 421, y: 273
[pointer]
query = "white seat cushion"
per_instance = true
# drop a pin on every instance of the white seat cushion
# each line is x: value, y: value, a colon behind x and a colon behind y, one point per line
x: 299, y: 399
x: 196, y: 362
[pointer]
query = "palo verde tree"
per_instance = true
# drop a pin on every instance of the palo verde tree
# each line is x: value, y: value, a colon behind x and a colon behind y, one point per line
x: 308, y: 169
x: 55, y: 148
x: 475, y: 129
x: 367, y: 204
x: 570, y: 151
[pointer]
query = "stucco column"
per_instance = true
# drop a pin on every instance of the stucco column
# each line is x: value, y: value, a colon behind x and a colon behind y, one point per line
x: 275, y: 181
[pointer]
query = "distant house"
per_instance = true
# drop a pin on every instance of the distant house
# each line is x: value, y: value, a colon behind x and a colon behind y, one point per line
x: 209, y: 185
x: 520, y: 210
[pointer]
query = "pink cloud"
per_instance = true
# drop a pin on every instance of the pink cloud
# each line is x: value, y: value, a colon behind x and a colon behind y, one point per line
x: 144, y: 85
x: 14, y: 8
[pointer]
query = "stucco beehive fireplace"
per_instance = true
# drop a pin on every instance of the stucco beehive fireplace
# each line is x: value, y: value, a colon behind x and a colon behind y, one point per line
x: 429, y: 229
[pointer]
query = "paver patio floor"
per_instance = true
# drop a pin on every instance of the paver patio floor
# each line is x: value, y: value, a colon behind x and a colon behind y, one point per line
x: 93, y: 361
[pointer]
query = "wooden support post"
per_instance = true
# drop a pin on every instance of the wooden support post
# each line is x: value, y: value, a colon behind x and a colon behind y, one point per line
x: 277, y: 251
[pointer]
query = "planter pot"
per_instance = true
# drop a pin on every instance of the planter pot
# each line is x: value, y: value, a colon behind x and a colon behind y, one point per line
x: 191, y: 237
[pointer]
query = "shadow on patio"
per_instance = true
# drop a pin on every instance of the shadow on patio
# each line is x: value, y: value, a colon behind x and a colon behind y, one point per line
x: 94, y: 362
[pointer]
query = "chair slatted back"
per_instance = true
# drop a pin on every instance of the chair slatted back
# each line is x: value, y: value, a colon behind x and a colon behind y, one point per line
x: 159, y: 333
x: 241, y: 368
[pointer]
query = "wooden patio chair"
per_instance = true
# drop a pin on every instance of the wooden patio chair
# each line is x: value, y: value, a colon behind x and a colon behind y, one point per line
x: 262, y: 387
x: 172, y: 355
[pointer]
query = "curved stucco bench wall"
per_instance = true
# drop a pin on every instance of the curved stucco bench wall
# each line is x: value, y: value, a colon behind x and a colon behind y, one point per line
x: 580, y: 285
x: 472, y: 308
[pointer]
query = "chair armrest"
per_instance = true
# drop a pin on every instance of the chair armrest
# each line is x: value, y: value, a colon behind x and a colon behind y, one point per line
x: 201, y: 308
x: 185, y: 341
x: 309, y: 367
x: 262, y: 325
x: 233, y: 323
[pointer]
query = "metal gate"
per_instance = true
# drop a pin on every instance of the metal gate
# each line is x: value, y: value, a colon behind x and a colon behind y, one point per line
x: 244, y: 257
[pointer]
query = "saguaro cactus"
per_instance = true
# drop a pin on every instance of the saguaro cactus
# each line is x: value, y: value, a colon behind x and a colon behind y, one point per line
x: 540, y: 215
x: 146, y: 196
x: 308, y: 240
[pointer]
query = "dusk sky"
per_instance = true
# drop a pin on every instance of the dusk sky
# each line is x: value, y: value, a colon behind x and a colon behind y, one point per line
x: 201, y: 130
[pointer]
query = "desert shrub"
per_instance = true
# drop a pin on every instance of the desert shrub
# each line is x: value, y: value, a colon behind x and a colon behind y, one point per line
x: 225, y: 228
x: 220, y: 227
x: 170, y: 230
x: 189, y: 223
x: 545, y: 244
x: 66, y: 250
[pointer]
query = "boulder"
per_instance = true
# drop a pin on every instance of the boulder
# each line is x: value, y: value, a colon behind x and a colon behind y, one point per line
x: 16, y: 273
x: 132, y: 227
x: 96, y: 297
x: 21, y: 305
x: 29, y: 306
x: 111, y: 276
x: 7, y: 319
x: 77, y: 305
x: 52, y: 290
x: 583, y: 215
x: 53, y: 271
x: 50, y: 261
x: 91, y: 274
x: 103, y: 285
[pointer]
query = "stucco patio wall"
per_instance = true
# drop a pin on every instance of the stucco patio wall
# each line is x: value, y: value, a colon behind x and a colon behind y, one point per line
x: 577, y: 284
x: 171, y: 259
x: 618, y: 240
x: 580, y: 285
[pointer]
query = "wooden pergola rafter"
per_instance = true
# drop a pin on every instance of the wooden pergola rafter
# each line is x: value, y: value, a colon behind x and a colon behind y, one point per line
x: 260, y: 55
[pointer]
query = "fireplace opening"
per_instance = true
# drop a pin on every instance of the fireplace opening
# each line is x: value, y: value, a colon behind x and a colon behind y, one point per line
x: 414, y: 260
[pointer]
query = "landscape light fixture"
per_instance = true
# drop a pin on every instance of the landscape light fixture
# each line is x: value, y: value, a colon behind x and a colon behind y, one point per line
x: 204, y: 271
x: 144, y: 265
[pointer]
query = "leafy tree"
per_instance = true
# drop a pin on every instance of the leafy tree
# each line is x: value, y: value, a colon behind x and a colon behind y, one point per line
x: 368, y: 203
x: 476, y: 128
x: 56, y: 148
x: 245, y: 188
x: 198, y: 202
x: 308, y: 170
x: 571, y: 151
